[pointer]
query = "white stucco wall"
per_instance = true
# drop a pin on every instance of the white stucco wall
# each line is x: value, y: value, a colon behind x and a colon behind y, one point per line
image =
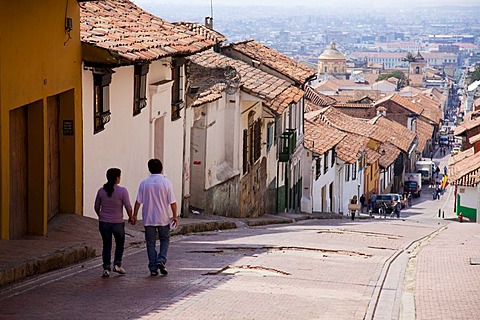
x: 127, y: 141
x: 323, y: 181
x: 308, y: 173
x: 349, y: 188
x: 469, y: 198
x: 122, y: 144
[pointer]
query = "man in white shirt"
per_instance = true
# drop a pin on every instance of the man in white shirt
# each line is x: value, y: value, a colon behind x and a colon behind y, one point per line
x: 156, y: 195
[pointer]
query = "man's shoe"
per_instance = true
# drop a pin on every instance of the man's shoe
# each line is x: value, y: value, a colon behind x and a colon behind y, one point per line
x: 118, y: 269
x: 162, y: 268
x: 154, y: 273
x: 105, y: 273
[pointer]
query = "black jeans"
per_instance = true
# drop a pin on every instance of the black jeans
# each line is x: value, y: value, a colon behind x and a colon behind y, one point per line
x: 118, y: 231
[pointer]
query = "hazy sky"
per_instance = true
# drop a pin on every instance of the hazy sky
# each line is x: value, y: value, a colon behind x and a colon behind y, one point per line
x: 327, y: 3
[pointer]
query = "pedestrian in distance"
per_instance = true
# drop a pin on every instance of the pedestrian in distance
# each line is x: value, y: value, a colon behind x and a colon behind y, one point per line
x: 437, y: 170
x: 372, y: 201
x: 431, y: 155
x: 362, y: 202
x: 159, y: 213
x: 353, y: 201
x: 109, y: 204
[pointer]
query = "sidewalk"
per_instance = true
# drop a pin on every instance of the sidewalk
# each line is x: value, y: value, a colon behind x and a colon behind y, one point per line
x: 72, y: 239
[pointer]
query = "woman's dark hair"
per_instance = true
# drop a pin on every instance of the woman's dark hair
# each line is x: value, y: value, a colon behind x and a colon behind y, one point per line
x: 155, y: 166
x: 112, y: 175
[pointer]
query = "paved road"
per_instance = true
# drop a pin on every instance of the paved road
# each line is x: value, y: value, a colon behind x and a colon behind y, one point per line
x: 312, y: 270
x: 407, y: 268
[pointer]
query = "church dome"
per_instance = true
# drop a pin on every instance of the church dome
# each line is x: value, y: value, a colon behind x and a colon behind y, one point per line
x: 331, y: 53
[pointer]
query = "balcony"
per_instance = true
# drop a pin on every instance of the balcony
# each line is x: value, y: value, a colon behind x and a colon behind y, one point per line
x: 288, y: 142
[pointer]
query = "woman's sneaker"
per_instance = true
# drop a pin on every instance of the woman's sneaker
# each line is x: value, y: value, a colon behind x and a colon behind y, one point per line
x: 162, y: 268
x: 105, y: 273
x: 118, y: 269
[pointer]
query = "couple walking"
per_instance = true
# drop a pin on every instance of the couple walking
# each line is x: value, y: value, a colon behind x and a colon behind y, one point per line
x: 156, y: 194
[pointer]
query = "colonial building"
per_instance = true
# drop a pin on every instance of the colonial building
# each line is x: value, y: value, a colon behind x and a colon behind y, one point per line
x: 134, y: 95
x: 40, y: 115
x: 332, y: 63
x: 245, y: 138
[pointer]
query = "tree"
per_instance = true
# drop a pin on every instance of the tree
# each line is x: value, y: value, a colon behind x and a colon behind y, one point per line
x: 475, y: 75
x: 410, y: 57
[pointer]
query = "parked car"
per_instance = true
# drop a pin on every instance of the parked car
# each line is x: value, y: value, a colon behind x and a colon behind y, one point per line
x: 455, y: 151
x: 392, y: 200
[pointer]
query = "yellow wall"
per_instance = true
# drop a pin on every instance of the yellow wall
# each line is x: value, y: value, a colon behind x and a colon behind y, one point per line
x: 37, y: 61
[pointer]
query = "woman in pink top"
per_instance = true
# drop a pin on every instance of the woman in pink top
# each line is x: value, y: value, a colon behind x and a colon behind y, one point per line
x: 109, y: 203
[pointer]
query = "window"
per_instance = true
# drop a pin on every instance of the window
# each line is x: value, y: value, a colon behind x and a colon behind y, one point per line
x: 252, y: 142
x: 177, y: 88
x: 354, y: 171
x: 140, y: 88
x: 318, y: 167
x: 245, y: 151
x: 332, y: 159
x: 325, y: 162
x: 256, y: 140
x: 347, y: 172
x: 325, y: 69
x: 101, y: 99
x: 269, y: 136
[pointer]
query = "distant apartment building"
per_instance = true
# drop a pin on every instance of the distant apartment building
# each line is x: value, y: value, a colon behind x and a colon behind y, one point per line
x: 397, y: 59
x: 400, y: 46
x: 451, y: 38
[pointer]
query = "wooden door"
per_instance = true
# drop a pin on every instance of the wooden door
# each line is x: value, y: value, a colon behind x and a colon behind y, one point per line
x: 18, y: 173
x: 53, y: 157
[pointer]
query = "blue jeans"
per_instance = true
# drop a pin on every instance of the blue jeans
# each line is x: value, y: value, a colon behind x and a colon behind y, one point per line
x: 151, y: 239
x: 118, y: 231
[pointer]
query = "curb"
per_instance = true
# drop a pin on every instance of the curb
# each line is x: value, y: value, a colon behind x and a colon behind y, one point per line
x: 46, y: 263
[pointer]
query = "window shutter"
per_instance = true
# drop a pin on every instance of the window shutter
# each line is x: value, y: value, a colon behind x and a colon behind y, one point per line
x: 257, y: 140
x: 245, y: 151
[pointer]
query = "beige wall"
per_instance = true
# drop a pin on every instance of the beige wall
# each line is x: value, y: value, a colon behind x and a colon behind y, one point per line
x: 39, y: 59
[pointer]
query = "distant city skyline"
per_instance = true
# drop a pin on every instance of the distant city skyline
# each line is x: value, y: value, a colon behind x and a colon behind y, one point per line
x: 310, y: 3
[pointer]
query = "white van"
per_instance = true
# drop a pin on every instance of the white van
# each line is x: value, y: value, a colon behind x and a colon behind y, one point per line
x: 426, y: 168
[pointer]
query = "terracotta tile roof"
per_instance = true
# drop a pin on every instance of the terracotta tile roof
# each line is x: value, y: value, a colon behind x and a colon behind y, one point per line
x: 465, y: 172
x: 431, y: 108
x: 211, y: 82
x: 326, y: 85
x: 401, y: 101
x: 472, y: 120
x: 277, y: 93
x: 409, y: 91
x: 273, y: 59
x: 354, y: 105
x: 395, y: 133
x: 320, y: 137
x: 372, y: 155
x: 350, y: 147
x: 474, y: 139
x: 461, y: 155
x: 350, y: 124
x: 424, y: 133
x: 391, y: 154
x: 202, y: 30
x: 129, y: 33
x: 476, y: 103
x: 318, y: 98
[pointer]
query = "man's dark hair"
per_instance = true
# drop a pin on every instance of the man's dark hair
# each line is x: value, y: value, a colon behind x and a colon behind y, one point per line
x: 155, y: 166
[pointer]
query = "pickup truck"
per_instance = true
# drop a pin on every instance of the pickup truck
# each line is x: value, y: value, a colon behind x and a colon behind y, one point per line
x: 413, y: 184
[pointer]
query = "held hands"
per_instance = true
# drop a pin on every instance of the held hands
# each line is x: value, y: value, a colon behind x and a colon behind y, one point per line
x: 132, y: 220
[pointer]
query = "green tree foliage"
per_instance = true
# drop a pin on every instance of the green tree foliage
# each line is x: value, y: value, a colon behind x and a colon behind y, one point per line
x: 410, y: 57
x: 396, y: 74
x: 475, y: 75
